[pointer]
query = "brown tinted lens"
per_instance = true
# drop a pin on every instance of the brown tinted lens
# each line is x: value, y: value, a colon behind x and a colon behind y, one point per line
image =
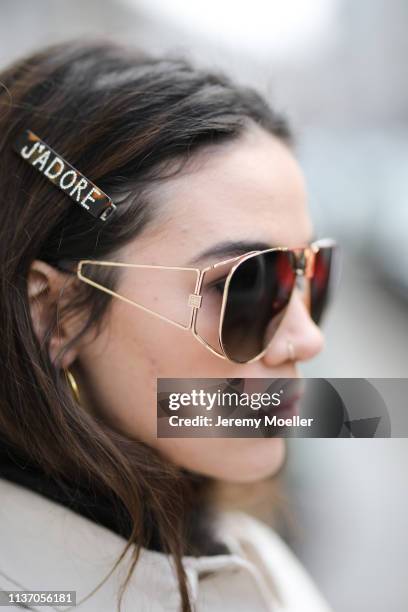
x: 258, y: 294
x: 323, y: 281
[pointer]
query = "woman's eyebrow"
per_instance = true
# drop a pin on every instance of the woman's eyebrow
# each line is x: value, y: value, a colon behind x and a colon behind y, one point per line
x: 231, y: 248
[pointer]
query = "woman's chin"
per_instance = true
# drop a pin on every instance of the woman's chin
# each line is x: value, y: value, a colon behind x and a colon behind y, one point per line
x: 261, y: 460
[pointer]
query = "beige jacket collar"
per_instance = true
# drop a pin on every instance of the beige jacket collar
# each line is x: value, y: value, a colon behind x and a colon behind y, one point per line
x: 45, y: 546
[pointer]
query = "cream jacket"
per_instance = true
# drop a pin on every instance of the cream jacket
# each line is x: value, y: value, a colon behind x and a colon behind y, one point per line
x: 46, y: 546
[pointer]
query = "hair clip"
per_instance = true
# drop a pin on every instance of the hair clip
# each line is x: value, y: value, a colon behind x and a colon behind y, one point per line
x: 59, y: 172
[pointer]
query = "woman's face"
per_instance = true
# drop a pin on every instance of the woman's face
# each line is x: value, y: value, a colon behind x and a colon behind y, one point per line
x: 248, y: 190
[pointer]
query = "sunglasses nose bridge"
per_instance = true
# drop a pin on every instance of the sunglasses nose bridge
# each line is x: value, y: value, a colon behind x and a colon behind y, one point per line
x: 304, y: 264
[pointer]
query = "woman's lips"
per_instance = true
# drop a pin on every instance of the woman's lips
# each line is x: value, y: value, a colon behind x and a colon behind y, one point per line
x: 293, y: 389
x: 290, y: 402
x: 287, y: 408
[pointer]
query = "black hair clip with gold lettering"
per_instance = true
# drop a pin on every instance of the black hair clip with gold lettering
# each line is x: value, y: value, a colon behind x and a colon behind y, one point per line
x: 57, y: 170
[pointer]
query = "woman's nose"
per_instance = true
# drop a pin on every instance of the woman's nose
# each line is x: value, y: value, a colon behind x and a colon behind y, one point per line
x: 296, y: 327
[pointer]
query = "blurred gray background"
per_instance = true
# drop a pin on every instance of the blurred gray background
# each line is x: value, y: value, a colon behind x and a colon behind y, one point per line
x: 338, y: 69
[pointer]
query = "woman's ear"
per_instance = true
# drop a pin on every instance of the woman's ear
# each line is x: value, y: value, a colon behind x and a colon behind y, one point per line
x: 48, y: 290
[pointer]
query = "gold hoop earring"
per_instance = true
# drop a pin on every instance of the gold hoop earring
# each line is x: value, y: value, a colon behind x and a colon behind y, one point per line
x: 73, y: 384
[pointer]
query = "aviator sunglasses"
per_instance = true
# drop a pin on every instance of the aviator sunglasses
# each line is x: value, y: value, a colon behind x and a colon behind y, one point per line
x: 233, y: 307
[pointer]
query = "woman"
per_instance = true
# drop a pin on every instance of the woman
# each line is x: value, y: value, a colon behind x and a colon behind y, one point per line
x: 92, y: 500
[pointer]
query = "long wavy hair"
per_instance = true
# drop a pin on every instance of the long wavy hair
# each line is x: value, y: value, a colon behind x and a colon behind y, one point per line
x: 122, y: 117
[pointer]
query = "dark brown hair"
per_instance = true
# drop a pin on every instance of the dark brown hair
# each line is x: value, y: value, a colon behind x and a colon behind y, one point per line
x: 122, y: 117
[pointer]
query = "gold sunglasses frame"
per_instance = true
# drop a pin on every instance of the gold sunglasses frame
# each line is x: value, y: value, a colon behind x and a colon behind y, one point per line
x: 195, y: 299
